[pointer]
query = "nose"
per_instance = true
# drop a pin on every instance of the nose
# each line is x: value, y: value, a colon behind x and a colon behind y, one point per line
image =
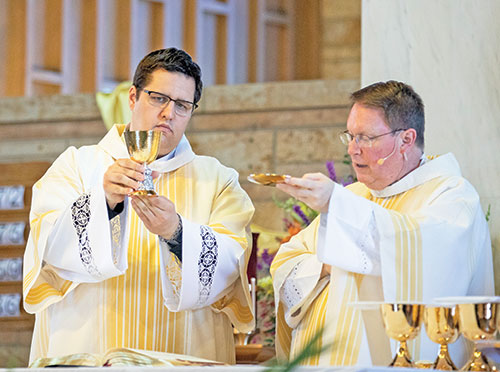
x: 168, y: 111
x: 353, y: 148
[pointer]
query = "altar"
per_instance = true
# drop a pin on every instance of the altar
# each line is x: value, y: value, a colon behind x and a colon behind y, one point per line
x: 238, y: 367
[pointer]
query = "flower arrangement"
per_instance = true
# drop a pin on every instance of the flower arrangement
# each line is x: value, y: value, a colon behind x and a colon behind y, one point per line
x: 299, y: 217
x: 266, y: 321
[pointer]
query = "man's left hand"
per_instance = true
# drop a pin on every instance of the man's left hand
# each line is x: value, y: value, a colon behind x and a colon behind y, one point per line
x: 314, y: 189
x: 157, y: 213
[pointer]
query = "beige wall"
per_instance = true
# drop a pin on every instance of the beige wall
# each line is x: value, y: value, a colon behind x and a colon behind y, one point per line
x: 449, y: 50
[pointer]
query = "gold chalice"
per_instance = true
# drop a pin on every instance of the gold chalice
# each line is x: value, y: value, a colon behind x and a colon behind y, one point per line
x: 143, y: 147
x: 441, y: 325
x: 402, y: 323
x: 478, y: 321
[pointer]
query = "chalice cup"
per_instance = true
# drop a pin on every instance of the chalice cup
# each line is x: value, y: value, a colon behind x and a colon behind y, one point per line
x: 402, y: 322
x: 441, y: 325
x: 143, y: 147
x: 478, y: 321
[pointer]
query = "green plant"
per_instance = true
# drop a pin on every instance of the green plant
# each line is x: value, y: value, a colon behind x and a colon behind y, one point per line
x: 312, y: 349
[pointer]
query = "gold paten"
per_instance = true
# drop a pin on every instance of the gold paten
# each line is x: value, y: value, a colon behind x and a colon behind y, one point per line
x: 266, y: 179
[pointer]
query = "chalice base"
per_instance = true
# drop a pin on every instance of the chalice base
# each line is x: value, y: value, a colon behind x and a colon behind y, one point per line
x: 402, y: 358
x: 444, y: 362
x: 477, y: 362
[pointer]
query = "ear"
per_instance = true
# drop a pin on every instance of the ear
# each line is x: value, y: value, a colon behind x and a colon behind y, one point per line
x: 132, y: 97
x: 408, y: 139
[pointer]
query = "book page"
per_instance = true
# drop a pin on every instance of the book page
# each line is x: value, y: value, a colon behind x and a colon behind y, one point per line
x: 124, y: 356
x: 82, y: 359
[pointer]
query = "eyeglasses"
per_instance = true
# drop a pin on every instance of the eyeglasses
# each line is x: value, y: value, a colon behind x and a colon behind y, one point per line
x: 181, y: 107
x: 362, y: 140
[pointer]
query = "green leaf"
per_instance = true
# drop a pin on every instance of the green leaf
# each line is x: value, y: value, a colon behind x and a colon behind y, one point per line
x: 310, y: 350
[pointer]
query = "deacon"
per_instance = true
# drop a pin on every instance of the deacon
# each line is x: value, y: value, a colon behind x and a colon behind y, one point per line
x: 410, y: 230
x: 104, y: 268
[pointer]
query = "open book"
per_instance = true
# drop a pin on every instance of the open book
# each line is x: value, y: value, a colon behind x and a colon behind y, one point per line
x: 123, y: 357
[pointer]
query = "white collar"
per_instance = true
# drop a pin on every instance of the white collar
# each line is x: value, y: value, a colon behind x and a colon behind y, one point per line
x: 430, y: 167
x: 114, y: 144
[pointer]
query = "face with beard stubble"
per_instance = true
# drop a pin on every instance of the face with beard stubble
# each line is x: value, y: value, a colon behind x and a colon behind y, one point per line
x: 146, y: 116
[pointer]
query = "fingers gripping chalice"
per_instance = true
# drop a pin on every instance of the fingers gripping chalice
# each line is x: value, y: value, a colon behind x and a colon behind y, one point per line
x: 143, y: 146
x: 441, y: 325
x: 402, y: 323
x: 478, y: 321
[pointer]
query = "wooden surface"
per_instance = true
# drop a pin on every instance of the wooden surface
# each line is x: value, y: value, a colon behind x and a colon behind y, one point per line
x: 254, y: 354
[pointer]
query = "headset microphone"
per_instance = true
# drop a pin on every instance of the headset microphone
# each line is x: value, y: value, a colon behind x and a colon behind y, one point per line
x: 382, y: 160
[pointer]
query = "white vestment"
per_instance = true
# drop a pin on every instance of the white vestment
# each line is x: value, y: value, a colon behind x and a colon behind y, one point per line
x: 96, y: 283
x: 422, y: 237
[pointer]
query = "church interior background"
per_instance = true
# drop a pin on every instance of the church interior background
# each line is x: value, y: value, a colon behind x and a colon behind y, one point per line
x: 277, y: 73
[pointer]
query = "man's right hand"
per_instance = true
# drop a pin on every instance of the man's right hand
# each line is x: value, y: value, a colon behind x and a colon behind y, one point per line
x: 120, y: 179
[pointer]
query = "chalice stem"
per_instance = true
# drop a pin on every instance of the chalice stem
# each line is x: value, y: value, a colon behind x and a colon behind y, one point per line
x: 146, y: 187
x: 443, y: 360
x: 147, y: 184
x: 402, y: 358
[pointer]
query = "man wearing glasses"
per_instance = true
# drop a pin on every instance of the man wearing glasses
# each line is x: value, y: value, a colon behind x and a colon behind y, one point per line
x: 410, y: 230
x: 105, y: 268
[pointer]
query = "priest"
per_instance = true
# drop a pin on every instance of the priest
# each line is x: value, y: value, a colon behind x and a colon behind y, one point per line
x: 410, y: 230
x: 104, y: 268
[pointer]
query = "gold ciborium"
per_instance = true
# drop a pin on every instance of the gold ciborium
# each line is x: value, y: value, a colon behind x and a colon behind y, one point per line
x: 441, y: 325
x: 143, y: 147
x: 402, y: 323
x: 478, y: 321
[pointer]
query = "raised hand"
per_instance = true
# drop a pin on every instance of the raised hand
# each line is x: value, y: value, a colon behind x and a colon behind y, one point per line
x: 157, y: 213
x: 120, y: 179
x: 314, y: 189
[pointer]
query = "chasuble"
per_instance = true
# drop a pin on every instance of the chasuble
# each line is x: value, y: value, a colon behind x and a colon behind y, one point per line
x: 96, y: 283
x: 423, y: 237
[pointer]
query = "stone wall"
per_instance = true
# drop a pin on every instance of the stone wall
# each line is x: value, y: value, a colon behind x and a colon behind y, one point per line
x: 288, y: 127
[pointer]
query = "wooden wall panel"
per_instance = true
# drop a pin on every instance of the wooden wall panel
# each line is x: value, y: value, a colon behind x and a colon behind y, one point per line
x: 51, y: 46
x: 266, y: 40
x: 88, y: 46
x: 13, y: 39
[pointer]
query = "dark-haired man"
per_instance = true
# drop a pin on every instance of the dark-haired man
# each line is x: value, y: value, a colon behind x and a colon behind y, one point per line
x: 410, y: 230
x: 104, y: 268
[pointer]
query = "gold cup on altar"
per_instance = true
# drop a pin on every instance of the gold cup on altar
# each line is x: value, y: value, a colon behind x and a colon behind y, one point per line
x: 143, y: 147
x: 478, y: 321
x: 402, y: 322
x: 441, y: 326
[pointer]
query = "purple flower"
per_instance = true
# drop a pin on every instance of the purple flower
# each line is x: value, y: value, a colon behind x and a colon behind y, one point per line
x: 301, y: 214
x: 330, y: 165
x: 347, y: 181
x: 266, y: 257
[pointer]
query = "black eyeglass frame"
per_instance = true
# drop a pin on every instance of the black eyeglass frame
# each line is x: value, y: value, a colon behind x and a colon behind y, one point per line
x: 148, y: 92
x: 370, y: 138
